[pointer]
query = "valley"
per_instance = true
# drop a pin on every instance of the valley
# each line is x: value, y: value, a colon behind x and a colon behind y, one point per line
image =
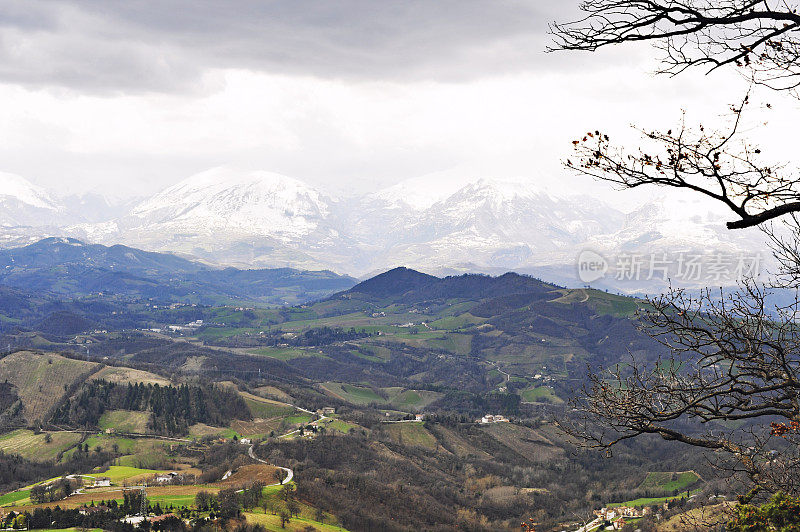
x: 425, y: 396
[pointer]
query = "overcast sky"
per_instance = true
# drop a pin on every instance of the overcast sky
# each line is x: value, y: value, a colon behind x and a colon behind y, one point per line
x: 126, y: 98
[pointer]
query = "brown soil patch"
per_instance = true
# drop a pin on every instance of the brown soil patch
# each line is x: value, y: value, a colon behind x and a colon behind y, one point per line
x: 249, y: 473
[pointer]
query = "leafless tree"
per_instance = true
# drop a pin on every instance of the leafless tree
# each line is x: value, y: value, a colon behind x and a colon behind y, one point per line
x: 731, y: 384
x: 761, y: 37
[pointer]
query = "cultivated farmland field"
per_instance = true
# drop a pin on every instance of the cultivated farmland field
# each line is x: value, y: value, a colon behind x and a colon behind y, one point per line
x: 298, y: 524
x: 669, y: 482
x: 411, y: 433
x: 41, y: 379
x: 34, y: 446
x: 125, y: 375
x: 401, y: 398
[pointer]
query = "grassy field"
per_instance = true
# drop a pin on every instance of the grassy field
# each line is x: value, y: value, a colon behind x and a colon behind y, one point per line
x: 411, y: 433
x: 120, y: 474
x: 272, y: 391
x: 401, y: 398
x: 34, y: 447
x: 357, y: 395
x: 541, y: 394
x: 338, y: 425
x: 669, y: 482
x: 257, y: 428
x: 460, y: 344
x: 125, y: 375
x: 14, y: 496
x: 452, y: 323
x: 40, y: 379
x: 296, y: 524
x: 284, y: 353
x: 602, y: 302
x: 125, y: 421
x: 265, y: 408
x: 140, y: 452
x: 106, y: 442
x: 649, y: 501
x: 165, y: 495
x: 299, y: 419
x: 201, y: 430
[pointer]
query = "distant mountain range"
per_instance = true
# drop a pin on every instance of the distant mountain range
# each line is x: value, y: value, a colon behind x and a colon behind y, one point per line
x: 68, y: 268
x: 265, y: 220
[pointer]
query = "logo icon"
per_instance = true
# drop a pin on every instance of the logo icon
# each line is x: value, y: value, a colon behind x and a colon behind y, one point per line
x: 591, y: 266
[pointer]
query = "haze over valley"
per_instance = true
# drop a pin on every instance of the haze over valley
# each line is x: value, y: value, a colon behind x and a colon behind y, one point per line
x: 230, y: 217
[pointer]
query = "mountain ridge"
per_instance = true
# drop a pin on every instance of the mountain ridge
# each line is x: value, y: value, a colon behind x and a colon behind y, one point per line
x: 69, y: 267
x: 244, y: 219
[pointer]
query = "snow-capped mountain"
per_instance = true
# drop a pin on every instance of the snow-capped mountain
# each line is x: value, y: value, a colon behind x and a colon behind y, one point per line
x: 27, y: 212
x: 229, y: 216
x: 223, y: 199
x: 497, y: 224
x: 261, y: 219
x: 23, y: 203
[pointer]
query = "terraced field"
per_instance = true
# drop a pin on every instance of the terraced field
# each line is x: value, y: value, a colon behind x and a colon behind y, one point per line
x: 35, y: 447
x: 533, y: 445
x: 257, y: 427
x: 411, y: 433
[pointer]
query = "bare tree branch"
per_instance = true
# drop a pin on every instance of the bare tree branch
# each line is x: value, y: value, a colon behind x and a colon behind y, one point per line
x: 759, y: 36
x: 715, y: 164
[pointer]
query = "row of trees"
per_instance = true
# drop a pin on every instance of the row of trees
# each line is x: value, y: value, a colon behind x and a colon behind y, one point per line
x: 173, y: 408
x: 52, y: 491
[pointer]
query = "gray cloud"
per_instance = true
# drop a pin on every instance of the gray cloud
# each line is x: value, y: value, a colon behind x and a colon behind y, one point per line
x: 167, y: 45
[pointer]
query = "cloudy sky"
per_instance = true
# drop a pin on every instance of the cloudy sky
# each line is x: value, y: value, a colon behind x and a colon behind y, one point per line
x: 126, y: 98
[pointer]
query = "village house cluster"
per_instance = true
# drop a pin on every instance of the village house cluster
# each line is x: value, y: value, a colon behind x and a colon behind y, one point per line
x: 617, y: 515
x: 493, y: 418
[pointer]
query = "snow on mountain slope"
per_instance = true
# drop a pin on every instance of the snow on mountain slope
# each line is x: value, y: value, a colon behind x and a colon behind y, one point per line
x: 17, y: 189
x: 225, y: 199
x: 27, y: 212
x: 680, y: 222
x: 261, y: 219
x: 421, y: 192
x: 518, y: 212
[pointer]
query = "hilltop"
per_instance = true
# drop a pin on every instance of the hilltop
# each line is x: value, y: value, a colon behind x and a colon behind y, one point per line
x: 404, y: 285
